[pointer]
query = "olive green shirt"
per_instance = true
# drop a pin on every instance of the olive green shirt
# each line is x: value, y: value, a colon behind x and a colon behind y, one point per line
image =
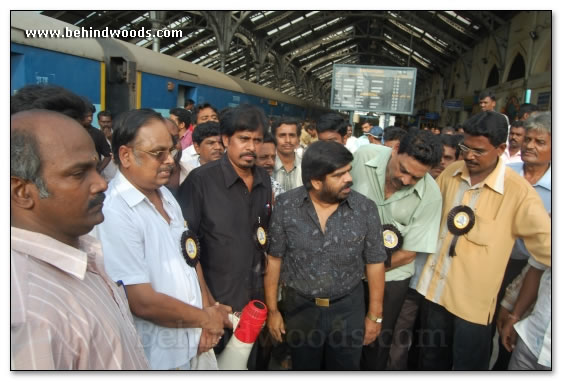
x: 415, y: 211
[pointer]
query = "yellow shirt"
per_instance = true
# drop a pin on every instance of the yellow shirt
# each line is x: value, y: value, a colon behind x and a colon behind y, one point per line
x: 506, y: 207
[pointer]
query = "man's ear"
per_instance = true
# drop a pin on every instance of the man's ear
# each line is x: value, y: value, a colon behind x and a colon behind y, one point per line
x: 317, y: 184
x: 23, y: 193
x: 501, y: 148
x: 196, y: 148
x: 225, y: 140
x: 125, y: 156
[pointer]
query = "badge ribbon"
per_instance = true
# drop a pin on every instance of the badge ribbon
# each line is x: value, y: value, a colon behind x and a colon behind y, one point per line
x: 461, y: 220
x: 190, y: 246
x: 392, y: 240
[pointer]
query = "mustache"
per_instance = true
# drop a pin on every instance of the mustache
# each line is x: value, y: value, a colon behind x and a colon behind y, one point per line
x: 250, y: 153
x: 96, y: 200
x: 166, y: 168
x: 347, y: 185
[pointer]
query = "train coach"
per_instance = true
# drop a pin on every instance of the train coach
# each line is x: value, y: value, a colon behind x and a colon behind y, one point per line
x: 120, y: 76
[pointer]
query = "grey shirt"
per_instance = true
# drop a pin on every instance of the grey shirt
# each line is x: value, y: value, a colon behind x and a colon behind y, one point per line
x: 328, y: 264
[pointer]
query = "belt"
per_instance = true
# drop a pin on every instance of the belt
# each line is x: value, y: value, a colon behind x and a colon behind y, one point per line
x: 324, y: 302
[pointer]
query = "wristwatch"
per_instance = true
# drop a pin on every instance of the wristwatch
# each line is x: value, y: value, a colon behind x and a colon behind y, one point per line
x: 377, y: 320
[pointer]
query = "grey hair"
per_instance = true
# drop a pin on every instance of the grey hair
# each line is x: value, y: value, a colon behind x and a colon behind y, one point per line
x: 539, y: 120
x: 25, y: 162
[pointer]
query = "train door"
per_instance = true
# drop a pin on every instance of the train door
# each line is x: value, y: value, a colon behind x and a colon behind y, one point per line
x: 122, y: 85
x: 185, y: 93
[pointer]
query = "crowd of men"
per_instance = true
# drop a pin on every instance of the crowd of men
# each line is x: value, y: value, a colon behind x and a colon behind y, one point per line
x: 402, y: 249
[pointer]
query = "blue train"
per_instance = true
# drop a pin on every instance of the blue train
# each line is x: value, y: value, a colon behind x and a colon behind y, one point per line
x: 120, y: 76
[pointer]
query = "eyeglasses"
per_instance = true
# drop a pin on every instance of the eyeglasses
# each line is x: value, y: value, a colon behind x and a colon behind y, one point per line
x: 475, y: 152
x: 161, y: 155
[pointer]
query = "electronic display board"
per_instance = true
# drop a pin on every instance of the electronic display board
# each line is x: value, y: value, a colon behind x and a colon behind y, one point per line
x: 381, y: 89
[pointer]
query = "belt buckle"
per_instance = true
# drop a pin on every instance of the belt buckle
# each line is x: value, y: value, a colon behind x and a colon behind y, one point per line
x: 322, y: 302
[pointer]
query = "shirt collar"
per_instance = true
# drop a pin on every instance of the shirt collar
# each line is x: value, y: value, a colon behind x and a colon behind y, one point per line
x: 545, y: 180
x: 130, y: 193
x: 62, y: 256
x: 231, y: 176
x: 303, y: 196
x: 278, y: 163
x: 495, y: 180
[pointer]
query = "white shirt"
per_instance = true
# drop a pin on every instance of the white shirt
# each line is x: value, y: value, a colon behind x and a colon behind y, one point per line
x: 187, y: 163
x: 140, y: 247
x: 535, y: 330
x: 351, y: 144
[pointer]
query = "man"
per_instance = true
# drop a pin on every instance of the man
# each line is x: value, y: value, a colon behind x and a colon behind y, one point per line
x: 308, y: 134
x: 189, y: 105
x: 332, y: 127
x: 398, y: 181
x: 461, y: 280
x: 207, y: 143
x: 324, y: 237
x: 102, y: 146
x: 142, y: 241
x: 363, y: 139
x: 404, y: 328
x: 375, y: 135
x: 227, y: 203
x: 487, y: 100
x: 536, y: 169
x: 105, y: 122
x: 266, y: 158
x: 515, y: 138
x: 65, y: 311
x: 183, y: 120
x: 450, y: 153
x: 180, y: 170
x: 350, y: 139
x: 525, y: 111
x: 202, y: 113
x: 287, y: 169
x: 528, y: 337
x: 205, y: 112
x: 392, y: 136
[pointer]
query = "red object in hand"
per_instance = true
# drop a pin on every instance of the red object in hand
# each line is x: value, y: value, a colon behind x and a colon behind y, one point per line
x: 252, y: 320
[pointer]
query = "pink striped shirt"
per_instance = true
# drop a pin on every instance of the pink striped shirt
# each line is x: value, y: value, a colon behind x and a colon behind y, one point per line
x: 66, y: 313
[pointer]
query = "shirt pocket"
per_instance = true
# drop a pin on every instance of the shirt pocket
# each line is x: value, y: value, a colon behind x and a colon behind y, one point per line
x: 477, y: 240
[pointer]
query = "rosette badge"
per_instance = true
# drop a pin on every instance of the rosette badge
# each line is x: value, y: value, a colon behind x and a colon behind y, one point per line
x: 392, y: 240
x: 461, y: 220
x: 260, y: 236
x: 190, y: 247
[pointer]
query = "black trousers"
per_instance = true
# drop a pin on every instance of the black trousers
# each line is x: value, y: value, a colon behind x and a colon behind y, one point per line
x: 376, y: 354
x: 450, y: 342
x: 325, y: 338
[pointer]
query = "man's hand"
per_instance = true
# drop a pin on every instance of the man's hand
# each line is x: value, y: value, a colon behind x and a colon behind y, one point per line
x: 372, y: 330
x: 218, y: 318
x: 207, y: 341
x: 275, y: 325
x: 508, y: 335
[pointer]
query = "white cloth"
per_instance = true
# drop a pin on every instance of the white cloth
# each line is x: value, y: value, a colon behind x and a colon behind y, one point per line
x: 141, y: 247
x: 535, y: 330
x: 351, y: 144
x: 189, y: 161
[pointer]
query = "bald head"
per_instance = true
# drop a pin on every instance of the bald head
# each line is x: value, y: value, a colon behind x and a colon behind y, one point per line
x: 55, y: 188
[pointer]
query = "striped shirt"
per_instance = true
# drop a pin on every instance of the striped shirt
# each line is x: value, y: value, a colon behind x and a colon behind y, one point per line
x: 65, y: 311
x: 506, y: 207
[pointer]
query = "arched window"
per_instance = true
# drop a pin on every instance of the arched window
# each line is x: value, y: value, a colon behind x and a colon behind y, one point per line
x: 493, y: 77
x: 518, y: 68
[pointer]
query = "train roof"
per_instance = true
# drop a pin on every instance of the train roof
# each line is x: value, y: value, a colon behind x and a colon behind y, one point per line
x: 101, y: 49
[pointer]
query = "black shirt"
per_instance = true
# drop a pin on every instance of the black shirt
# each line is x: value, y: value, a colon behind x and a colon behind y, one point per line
x: 223, y: 213
x: 328, y: 264
x: 102, y: 146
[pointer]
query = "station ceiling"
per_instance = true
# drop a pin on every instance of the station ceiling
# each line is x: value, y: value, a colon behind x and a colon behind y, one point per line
x: 293, y: 51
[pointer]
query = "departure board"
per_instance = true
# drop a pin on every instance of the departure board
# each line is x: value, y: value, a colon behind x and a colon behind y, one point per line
x: 382, y: 89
